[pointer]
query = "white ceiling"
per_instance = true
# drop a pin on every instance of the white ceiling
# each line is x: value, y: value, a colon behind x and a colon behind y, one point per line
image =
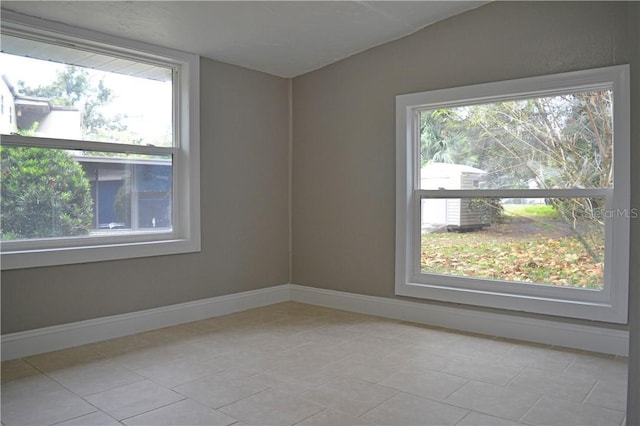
x: 281, y: 38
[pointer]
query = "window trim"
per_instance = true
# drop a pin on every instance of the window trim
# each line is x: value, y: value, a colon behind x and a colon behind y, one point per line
x: 185, y: 235
x: 608, y: 305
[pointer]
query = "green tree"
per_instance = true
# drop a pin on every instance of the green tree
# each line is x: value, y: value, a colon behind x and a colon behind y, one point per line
x: 441, y: 140
x: 44, y: 194
x: 74, y: 86
x: 556, y: 142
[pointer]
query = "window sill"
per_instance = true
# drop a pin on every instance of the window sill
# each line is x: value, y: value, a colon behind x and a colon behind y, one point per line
x: 96, y: 253
x: 566, y: 307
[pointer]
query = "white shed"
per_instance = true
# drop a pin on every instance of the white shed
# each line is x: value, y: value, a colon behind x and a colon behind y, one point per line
x: 451, y: 214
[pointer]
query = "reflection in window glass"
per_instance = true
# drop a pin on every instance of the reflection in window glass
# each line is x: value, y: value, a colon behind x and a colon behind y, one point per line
x: 64, y: 93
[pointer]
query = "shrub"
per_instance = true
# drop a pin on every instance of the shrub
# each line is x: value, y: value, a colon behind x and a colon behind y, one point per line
x: 45, y: 194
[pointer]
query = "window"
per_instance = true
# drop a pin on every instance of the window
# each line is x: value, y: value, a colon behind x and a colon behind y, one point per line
x: 515, y: 194
x: 101, y: 161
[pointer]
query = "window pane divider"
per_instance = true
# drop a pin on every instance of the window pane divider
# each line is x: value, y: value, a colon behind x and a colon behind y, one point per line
x: 513, y: 193
x: 127, y: 237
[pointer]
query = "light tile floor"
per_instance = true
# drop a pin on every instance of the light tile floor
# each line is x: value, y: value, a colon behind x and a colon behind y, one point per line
x: 291, y: 363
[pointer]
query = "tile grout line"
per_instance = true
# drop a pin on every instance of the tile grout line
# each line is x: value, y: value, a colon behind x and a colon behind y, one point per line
x: 516, y: 376
x: 584, y: 400
x: 456, y: 389
x: 465, y: 416
x: 565, y: 369
x: 531, y: 408
x: 44, y: 374
x: 377, y: 405
x: 321, y: 322
x: 153, y: 409
x: 314, y: 414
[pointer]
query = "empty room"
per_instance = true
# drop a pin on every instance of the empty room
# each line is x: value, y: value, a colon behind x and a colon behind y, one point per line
x: 320, y: 213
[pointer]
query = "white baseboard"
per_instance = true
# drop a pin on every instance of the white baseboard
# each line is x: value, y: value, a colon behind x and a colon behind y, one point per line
x: 590, y: 338
x: 18, y: 345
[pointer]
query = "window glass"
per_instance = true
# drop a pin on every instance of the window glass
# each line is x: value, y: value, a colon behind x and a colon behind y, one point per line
x: 73, y: 94
x: 100, y: 146
x: 563, y: 141
x: 54, y: 193
x: 551, y: 142
x: 515, y: 194
x: 558, y: 241
x: 65, y: 93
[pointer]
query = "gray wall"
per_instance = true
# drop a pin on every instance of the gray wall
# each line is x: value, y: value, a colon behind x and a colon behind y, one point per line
x: 245, y: 219
x: 344, y: 122
x: 343, y: 167
x: 344, y: 130
x: 633, y: 409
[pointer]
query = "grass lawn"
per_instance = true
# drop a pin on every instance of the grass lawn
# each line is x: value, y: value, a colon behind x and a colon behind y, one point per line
x: 533, y: 246
x: 538, y: 211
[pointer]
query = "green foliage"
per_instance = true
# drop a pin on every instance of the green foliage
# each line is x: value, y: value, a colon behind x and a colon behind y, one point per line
x: 490, y: 209
x: 556, y: 142
x: 547, y: 142
x: 537, y: 211
x: 44, y: 194
x: 441, y: 140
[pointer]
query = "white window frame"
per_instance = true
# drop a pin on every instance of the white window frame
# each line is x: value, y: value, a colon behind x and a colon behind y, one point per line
x: 185, y: 234
x: 608, y: 304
